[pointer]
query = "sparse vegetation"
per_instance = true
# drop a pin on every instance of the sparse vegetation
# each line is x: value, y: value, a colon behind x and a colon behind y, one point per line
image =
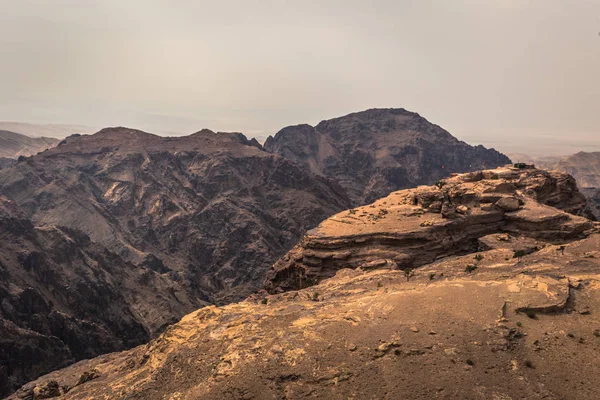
x: 519, y: 324
x: 470, y: 268
x: 470, y: 362
x: 520, y: 165
x: 531, y: 314
x: 519, y: 254
x: 409, y: 273
x: 597, y: 333
x: 529, y: 364
x: 315, y: 296
x: 352, y: 211
x: 561, y: 249
x: 397, y: 352
x: 379, y: 284
x: 440, y: 184
x: 432, y: 276
x: 265, y: 301
x: 478, y: 257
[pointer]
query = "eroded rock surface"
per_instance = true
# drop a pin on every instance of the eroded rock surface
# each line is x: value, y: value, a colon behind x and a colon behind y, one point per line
x: 413, y: 227
x: 374, y: 152
x: 504, y: 328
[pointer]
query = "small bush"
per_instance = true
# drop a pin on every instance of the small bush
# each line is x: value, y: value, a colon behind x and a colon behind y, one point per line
x: 470, y: 268
x: 431, y: 276
x: 478, y: 257
x: 397, y: 352
x: 379, y: 284
x: 519, y: 254
x: 352, y: 211
x: 519, y: 324
x: 409, y: 273
x: 315, y: 296
x: 531, y: 314
x: 529, y: 364
x: 264, y: 301
x: 470, y: 362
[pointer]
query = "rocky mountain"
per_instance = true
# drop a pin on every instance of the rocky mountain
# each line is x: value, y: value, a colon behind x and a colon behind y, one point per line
x: 375, y: 152
x: 121, y: 233
x: 13, y: 145
x: 6, y: 162
x: 65, y: 298
x: 504, y: 304
x: 584, y: 166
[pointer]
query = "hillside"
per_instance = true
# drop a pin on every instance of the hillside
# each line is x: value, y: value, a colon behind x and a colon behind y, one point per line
x: 374, y: 152
x: 65, y: 298
x: 505, y: 306
x: 14, y: 145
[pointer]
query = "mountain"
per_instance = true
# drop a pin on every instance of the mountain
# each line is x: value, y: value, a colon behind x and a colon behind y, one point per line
x: 59, y: 131
x: 209, y: 210
x: 584, y: 166
x: 121, y: 233
x: 375, y: 152
x: 504, y: 305
x: 13, y: 145
x: 65, y: 298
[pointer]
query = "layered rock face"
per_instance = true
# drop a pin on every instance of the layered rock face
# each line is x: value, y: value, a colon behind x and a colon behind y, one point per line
x: 14, y: 145
x: 413, y: 227
x: 209, y: 211
x: 65, y: 298
x: 515, y: 316
x: 375, y: 152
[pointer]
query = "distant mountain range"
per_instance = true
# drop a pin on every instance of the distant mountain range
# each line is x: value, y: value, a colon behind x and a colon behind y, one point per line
x: 57, y: 131
x: 14, y: 145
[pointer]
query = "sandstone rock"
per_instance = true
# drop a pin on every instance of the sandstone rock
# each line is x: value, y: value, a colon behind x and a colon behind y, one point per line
x: 412, y: 238
x: 508, y: 204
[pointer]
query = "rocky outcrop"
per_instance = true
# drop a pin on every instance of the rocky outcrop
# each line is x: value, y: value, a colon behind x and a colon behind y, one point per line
x: 375, y: 152
x: 487, y: 325
x: 14, y: 145
x: 585, y: 167
x: 64, y: 298
x: 414, y: 227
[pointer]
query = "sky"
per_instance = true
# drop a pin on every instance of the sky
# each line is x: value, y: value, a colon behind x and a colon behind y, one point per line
x: 518, y: 75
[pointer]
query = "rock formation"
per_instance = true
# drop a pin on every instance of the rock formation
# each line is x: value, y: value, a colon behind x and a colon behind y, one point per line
x: 482, y: 287
x: 418, y: 226
x: 375, y: 152
x: 14, y: 145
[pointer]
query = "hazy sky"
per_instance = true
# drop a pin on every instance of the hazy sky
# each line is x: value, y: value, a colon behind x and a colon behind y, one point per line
x: 489, y: 71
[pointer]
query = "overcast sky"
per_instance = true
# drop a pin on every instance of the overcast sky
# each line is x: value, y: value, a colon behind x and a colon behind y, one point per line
x: 489, y: 71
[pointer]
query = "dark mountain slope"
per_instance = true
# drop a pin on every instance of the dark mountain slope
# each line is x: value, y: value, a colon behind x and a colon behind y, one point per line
x: 375, y: 152
x: 64, y: 298
x: 210, y: 210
